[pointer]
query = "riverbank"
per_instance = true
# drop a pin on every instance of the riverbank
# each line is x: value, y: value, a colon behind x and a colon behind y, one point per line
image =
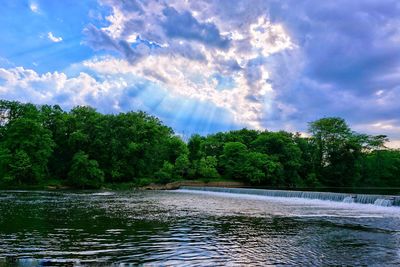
x: 58, y: 185
x: 128, y: 185
x: 179, y: 184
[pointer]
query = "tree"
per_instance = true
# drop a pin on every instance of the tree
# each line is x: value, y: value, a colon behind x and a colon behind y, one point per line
x: 234, y: 154
x: 207, y: 167
x: 381, y: 168
x: 329, y: 135
x: 283, y: 147
x: 307, y: 167
x: 85, y: 148
x: 166, y: 173
x: 194, y: 146
x: 21, y: 169
x: 85, y: 172
x: 337, y: 151
x: 182, y: 165
x: 55, y: 120
x: 29, y: 144
x: 255, y: 168
x: 261, y: 169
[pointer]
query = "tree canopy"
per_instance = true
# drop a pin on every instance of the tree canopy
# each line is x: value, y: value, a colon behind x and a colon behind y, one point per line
x: 85, y: 149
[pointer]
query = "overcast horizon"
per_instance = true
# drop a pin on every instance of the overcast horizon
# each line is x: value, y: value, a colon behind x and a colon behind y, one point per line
x: 208, y: 66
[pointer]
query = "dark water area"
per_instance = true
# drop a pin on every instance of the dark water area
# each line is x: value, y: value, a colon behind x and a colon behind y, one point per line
x: 192, y: 228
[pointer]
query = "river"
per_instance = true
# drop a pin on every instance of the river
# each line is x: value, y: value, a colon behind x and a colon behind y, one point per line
x: 186, y: 227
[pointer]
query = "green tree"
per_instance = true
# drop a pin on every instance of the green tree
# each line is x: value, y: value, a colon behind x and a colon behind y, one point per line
x: 55, y: 120
x: 232, y: 159
x: 84, y: 147
x: 381, y: 168
x: 28, y: 142
x: 283, y: 147
x: 166, y: 173
x: 206, y: 167
x: 337, y: 151
x: 85, y: 172
x: 260, y: 168
x: 21, y: 169
x: 307, y: 167
x: 195, y: 147
x: 182, y: 165
x: 255, y: 167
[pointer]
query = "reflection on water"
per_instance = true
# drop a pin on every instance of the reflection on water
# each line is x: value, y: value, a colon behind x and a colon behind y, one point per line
x: 192, y: 228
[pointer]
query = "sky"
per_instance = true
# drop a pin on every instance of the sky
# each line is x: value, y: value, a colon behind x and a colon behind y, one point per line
x: 208, y: 66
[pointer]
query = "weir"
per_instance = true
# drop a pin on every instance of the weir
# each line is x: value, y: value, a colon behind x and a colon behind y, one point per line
x: 379, y: 200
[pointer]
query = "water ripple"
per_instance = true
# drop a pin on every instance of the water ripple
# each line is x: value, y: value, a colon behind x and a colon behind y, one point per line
x: 175, y: 228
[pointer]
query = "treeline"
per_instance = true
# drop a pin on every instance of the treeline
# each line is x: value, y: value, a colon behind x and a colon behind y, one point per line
x: 86, y: 149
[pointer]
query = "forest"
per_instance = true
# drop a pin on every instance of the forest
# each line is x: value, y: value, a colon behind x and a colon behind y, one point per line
x: 82, y: 148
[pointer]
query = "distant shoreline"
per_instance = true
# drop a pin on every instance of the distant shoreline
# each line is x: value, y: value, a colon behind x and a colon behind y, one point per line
x: 199, y: 183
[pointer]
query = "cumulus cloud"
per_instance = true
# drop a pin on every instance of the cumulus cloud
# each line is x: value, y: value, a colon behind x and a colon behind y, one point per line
x: 346, y: 64
x: 113, y: 92
x: 99, y: 40
x: 182, y: 25
x: 53, y: 38
x: 274, y: 64
x: 195, y: 82
x: 290, y: 62
x: 170, y: 43
x: 27, y: 85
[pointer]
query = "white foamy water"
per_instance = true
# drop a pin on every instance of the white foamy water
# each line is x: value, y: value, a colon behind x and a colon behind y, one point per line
x: 103, y: 194
x: 333, y: 208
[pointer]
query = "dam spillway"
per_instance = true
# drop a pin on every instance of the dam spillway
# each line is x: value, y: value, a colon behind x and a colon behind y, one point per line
x: 379, y: 200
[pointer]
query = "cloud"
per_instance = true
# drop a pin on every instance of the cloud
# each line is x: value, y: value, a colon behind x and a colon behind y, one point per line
x: 394, y: 144
x: 288, y: 62
x: 114, y: 92
x: 53, y: 38
x: 34, y: 7
x: 100, y: 40
x: 183, y: 25
x: 27, y: 85
x: 275, y: 64
x: 346, y: 63
x: 160, y: 40
x: 196, y: 82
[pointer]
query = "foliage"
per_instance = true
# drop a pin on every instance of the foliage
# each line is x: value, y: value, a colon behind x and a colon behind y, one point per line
x: 232, y: 158
x: 25, y: 144
x: 85, y: 172
x: 338, y: 151
x: 86, y: 149
x: 166, y: 173
x: 283, y: 147
x: 381, y: 168
x: 182, y: 166
x: 206, y: 167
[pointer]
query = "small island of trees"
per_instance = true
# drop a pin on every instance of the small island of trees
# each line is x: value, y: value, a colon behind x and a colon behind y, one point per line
x: 82, y: 148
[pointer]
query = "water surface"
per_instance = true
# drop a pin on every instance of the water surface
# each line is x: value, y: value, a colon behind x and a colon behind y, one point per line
x: 192, y: 228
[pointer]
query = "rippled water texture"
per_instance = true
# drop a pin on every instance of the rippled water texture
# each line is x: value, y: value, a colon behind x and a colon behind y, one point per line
x: 192, y: 228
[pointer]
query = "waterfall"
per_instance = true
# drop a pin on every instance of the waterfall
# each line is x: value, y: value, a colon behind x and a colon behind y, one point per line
x: 383, y: 202
x: 379, y: 200
x: 349, y: 199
